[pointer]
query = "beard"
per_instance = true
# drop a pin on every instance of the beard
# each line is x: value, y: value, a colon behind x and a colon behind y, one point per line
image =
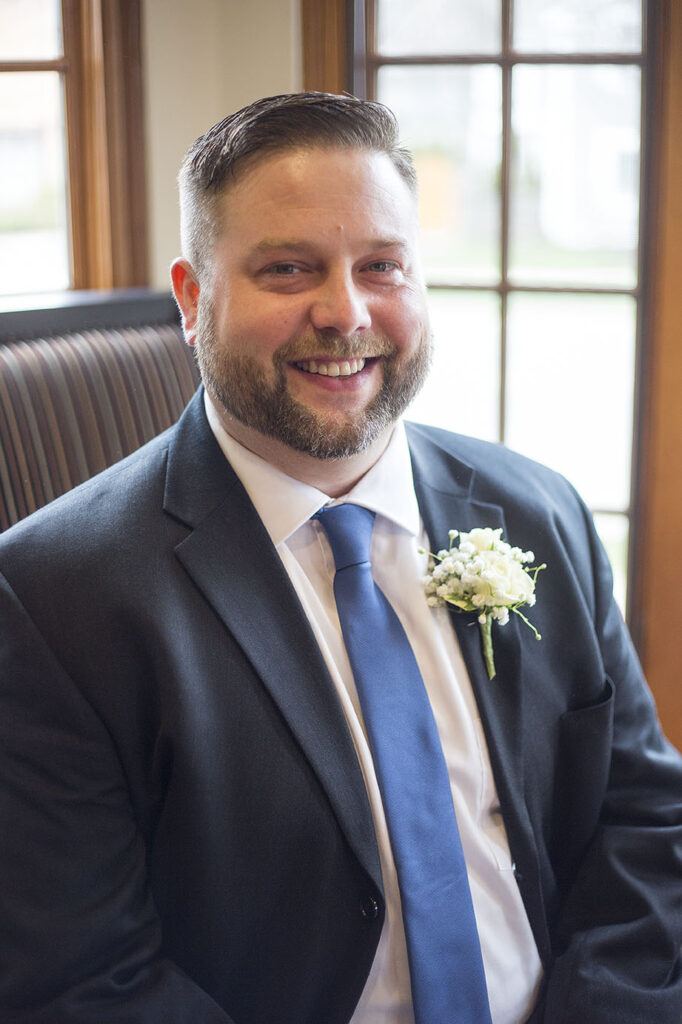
x: 241, y: 386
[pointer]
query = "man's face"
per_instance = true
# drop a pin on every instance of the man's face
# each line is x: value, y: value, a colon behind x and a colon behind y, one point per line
x: 314, y: 330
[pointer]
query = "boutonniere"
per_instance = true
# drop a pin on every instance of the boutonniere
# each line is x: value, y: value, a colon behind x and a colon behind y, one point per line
x: 483, y: 574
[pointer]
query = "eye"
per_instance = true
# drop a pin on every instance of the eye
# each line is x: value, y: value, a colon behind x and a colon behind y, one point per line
x: 382, y: 266
x: 283, y: 269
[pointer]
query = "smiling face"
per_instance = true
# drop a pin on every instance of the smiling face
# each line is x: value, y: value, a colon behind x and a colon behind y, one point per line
x: 312, y: 333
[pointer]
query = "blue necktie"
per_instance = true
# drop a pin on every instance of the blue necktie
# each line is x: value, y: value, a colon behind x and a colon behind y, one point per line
x: 446, y: 969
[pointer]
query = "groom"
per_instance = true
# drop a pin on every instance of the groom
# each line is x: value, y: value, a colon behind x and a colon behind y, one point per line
x: 203, y: 796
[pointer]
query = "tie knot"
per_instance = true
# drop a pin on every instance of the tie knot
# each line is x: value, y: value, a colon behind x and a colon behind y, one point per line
x: 349, y: 531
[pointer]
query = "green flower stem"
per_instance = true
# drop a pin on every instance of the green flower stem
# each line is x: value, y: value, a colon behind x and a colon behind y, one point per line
x: 487, y: 639
x: 528, y: 623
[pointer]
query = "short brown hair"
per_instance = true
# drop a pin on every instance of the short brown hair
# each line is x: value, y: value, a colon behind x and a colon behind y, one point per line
x: 270, y: 125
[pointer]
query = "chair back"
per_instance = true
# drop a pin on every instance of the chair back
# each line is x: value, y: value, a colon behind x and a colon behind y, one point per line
x: 73, y: 403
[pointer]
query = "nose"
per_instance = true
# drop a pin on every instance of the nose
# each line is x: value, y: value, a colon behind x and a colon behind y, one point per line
x: 340, y: 305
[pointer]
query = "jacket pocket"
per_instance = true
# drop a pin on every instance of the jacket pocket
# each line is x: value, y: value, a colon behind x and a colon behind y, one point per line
x: 585, y: 745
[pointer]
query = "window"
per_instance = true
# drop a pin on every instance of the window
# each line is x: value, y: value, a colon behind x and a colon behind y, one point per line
x: 525, y: 120
x: 72, y: 207
x: 34, y: 242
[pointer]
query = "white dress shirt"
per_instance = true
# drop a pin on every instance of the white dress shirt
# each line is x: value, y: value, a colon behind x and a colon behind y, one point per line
x: 285, y: 505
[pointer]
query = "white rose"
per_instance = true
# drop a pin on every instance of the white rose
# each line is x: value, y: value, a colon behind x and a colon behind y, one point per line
x: 508, y: 581
x: 482, y: 538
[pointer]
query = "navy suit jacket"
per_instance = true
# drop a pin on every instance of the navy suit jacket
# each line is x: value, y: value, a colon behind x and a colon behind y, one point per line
x: 185, y: 836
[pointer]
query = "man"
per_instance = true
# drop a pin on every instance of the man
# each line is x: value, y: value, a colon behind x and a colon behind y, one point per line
x: 196, y: 827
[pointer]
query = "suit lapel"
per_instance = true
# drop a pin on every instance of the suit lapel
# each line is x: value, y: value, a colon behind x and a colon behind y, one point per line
x: 446, y: 491
x: 230, y: 557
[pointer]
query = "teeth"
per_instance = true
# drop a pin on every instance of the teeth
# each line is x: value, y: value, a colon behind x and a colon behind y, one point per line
x: 346, y: 368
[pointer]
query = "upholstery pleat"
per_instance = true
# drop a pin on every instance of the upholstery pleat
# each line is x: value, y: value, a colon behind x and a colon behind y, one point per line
x: 71, y: 405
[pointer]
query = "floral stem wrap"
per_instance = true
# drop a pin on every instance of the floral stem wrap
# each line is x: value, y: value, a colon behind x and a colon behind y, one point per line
x: 486, y: 575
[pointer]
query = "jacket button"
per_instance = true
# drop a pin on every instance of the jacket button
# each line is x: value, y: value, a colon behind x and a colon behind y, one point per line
x: 370, y: 908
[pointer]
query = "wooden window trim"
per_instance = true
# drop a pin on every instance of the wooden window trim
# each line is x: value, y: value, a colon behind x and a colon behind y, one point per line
x: 657, y: 609
x: 105, y: 141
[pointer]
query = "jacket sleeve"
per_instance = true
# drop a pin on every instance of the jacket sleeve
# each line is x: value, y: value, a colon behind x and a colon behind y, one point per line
x: 80, y: 938
x: 619, y: 931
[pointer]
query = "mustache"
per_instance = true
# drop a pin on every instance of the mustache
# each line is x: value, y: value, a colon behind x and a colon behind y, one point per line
x: 336, y: 346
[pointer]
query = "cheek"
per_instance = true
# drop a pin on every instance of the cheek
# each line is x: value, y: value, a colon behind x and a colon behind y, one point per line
x: 270, y: 323
x: 252, y: 329
x: 406, y: 324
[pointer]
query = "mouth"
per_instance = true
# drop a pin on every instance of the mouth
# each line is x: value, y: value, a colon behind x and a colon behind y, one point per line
x: 332, y: 367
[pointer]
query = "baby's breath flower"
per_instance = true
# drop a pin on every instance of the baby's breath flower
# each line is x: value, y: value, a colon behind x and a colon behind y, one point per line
x: 484, y: 574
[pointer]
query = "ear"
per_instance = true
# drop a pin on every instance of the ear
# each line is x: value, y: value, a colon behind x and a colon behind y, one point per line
x: 186, y: 291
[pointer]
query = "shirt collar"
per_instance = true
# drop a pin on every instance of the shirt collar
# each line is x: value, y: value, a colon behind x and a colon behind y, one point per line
x: 284, y: 504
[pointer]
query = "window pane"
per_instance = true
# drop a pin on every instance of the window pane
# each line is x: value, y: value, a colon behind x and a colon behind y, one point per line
x: 575, y: 175
x: 30, y: 29
x: 577, y: 26
x: 462, y: 392
x: 437, y: 26
x: 614, y: 532
x: 33, y: 233
x: 570, y: 385
x: 451, y: 120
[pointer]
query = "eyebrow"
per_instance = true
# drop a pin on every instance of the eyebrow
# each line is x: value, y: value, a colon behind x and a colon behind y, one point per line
x: 272, y: 244
x: 268, y: 245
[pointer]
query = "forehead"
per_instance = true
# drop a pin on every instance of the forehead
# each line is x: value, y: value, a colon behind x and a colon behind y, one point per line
x: 317, y: 188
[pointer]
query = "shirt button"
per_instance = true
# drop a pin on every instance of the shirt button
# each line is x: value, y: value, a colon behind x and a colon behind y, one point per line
x: 370, y: 908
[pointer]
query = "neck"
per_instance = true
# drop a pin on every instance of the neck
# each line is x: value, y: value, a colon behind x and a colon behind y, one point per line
x: 334, y: 477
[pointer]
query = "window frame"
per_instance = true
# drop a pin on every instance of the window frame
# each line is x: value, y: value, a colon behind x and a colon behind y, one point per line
x: 507, y: 60
x: 654, y: 594
x: 101, y: 73
x: 362, y: 66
